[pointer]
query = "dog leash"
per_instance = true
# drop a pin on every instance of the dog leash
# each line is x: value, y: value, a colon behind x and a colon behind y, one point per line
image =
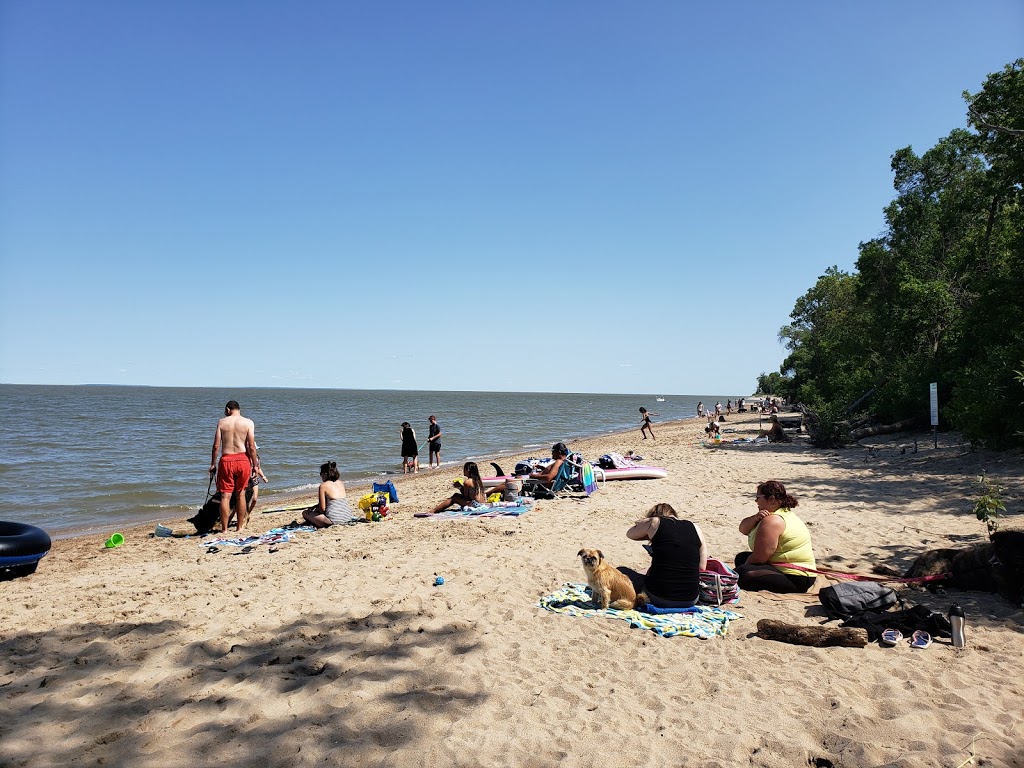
x: 862, y: 577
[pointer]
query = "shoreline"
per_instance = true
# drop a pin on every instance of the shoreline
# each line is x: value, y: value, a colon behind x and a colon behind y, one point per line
x: 117, y: 519
x: 362, y: 485
x: 342, y: 636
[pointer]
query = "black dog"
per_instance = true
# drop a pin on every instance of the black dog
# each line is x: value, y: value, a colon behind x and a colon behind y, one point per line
x: 996, y: 566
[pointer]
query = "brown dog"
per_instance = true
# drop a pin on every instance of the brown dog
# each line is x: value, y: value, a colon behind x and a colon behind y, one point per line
x: 610, y: 587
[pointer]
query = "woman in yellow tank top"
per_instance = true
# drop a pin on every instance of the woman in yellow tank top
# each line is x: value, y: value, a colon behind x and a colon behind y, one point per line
x: 775, y: 535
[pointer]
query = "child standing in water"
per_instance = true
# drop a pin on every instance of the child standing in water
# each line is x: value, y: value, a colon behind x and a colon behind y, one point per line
x: 410, y: 453
x: 646, y: 425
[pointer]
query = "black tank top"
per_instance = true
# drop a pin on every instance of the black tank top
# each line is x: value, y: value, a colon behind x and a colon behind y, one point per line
x: 675, y: 557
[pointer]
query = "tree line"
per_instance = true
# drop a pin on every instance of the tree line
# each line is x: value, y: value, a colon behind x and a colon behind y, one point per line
x: 937, y: 297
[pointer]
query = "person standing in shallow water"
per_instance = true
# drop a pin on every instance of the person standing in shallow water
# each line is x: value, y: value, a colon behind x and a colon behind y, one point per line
x: 434, y: 436
x: 646, y: 425
x: 410, y: 452
x: 235, y: 441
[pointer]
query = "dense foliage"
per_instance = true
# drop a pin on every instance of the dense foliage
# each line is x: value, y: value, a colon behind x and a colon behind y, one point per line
x: 938, y: 296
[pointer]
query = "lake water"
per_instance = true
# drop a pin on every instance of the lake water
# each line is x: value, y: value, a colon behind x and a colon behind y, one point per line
x: 83, y: 458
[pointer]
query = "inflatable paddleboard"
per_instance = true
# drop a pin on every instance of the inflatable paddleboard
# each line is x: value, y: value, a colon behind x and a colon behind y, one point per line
x: 626, y: 473
x: 635, y: 473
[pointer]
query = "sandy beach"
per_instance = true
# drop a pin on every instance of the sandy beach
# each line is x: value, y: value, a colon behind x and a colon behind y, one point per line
x: 337, y: 649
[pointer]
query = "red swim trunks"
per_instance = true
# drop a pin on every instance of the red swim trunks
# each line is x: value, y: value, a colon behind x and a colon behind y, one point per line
x: 233, y: 472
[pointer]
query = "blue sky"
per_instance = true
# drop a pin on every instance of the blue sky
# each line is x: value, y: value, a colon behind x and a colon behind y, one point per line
x: 565, y: 196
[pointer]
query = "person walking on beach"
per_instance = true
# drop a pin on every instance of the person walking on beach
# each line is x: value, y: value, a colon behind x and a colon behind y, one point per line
x: 410, y: 452
x: 646, y: 425
x: 434, y: 436
x: 235, y: 441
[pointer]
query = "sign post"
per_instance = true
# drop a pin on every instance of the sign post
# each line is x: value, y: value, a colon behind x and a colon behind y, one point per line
x: 933, y: 391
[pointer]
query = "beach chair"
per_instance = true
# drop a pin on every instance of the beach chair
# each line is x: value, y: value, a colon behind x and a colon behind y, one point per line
x: 576, y: 473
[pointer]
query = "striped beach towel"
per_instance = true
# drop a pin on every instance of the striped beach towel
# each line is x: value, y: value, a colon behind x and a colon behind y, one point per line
x: 273, y: 536
x: 705, y: 622
x: 492, y: 509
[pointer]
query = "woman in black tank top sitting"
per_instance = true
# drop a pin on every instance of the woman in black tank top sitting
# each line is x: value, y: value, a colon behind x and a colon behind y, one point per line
x: 678, y: 554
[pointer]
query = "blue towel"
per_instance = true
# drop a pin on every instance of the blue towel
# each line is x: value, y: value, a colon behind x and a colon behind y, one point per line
x: 649, y: 608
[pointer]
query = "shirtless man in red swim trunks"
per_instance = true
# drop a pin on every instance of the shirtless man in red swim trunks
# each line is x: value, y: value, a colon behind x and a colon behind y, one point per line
x: 235, y: 440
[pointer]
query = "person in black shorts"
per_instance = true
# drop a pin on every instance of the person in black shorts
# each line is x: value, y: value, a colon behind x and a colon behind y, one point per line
x: 434, y: 436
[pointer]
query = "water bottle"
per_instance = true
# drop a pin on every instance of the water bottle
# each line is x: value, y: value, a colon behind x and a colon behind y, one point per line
x: 957, y: 622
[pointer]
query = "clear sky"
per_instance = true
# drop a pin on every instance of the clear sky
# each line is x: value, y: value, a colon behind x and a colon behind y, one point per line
x: 542, y: 196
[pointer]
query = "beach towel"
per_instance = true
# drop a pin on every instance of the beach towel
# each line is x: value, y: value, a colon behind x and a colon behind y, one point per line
x: 494, y: 509
x: 587, y: 476
x: 742, y: 442
x: 703, y: 622
x: 273, y: 536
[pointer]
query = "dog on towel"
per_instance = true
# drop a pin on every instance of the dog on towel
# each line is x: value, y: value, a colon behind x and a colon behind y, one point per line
x: 609, y: 587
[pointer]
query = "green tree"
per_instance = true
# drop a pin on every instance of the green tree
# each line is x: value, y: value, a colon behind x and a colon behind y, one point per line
x: 828, y: 360
x: 772, y: 384
x: 937, y: 296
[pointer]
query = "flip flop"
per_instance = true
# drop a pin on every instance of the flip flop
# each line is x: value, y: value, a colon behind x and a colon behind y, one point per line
x: 211, y: 550
x: 890, y: 637
x: 920, y: 639
x: 245, y: 550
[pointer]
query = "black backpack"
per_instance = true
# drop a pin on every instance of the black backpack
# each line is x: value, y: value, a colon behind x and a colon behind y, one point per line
x: 854, y: 597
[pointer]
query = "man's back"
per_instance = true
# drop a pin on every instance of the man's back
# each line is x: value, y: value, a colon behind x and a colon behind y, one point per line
x: 235, y: 429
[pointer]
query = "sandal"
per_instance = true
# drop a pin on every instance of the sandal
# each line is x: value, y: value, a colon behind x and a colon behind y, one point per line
x: 890, y: 637
x: 920, y: 639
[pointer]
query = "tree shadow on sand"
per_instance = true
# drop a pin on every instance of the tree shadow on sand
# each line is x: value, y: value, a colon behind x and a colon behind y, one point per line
x: 331, y: 688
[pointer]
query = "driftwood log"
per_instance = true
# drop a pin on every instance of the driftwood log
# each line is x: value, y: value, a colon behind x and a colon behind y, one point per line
x: 818, y: 637
x: 883, y: 429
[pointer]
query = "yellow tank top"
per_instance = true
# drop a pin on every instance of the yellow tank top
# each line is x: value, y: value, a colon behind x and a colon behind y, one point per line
x: 794, y: 544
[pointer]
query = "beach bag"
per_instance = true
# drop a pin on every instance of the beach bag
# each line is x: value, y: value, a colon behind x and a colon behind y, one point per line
x: 719, y: 584
x: 374, y: 503
x: 606, y: 462
x: 852, y: 597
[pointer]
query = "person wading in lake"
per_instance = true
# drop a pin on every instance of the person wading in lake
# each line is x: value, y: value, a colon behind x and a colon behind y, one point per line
x: 235, y: 441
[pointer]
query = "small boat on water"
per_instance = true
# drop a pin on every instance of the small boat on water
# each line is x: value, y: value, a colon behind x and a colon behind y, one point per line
x: 659, y: 399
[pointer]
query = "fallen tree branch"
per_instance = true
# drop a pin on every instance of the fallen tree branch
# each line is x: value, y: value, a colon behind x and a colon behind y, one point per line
x: 883, y: 429
x: 817, y: 637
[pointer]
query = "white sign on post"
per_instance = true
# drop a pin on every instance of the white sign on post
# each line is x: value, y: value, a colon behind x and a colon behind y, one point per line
x: 933, y: 390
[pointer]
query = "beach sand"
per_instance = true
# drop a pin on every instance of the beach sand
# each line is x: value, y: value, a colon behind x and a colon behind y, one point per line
x: 337, y: 649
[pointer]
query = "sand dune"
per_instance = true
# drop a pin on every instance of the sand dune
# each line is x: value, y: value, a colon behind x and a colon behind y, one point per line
x: 338, y: 650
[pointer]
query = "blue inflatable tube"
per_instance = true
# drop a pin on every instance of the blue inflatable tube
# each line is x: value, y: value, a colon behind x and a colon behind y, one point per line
x: 22, y: 547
